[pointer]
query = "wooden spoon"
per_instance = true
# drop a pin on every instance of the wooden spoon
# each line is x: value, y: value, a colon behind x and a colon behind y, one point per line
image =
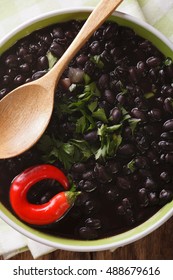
x: 26, y: 111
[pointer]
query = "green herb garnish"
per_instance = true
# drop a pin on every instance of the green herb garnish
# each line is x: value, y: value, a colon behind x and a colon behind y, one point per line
x: 149, y: 95
x: 51, y: 59
x: 168, y: 61
x: 97, y: 61
x: 131, y: 165
x: 109, y: 141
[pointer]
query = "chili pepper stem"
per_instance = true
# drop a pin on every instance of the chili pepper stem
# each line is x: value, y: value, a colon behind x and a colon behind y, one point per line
x: 71, y: 196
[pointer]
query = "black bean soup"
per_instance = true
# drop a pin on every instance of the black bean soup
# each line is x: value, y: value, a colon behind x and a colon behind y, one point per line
x: 111, y: 131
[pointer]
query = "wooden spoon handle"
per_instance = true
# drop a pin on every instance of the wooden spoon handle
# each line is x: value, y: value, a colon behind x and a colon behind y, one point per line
x: 96, y: 18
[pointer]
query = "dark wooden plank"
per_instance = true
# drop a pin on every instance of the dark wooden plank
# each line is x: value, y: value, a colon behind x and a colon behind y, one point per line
x: 156, y: 246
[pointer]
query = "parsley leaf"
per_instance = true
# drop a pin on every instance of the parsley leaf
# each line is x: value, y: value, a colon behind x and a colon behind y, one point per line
x: 100, y: 115
x: 133, y: 123
x: 131, y: 165
x: 97, y: 61
x: 149, y: 95
x: 51, y: 59
x: 168, y: 61
x: 92, y: 106
x: 81, y: 124
x: 109, y: 140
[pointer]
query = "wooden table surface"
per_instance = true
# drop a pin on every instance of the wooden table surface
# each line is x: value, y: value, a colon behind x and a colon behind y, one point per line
x: 156, y: 246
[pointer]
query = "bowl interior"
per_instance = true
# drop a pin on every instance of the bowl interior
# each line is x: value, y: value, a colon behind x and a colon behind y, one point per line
x: 156, y: 220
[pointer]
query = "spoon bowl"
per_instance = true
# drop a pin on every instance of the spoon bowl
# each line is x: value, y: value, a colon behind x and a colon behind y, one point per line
x: 18, y: 125
x: 26, y: 111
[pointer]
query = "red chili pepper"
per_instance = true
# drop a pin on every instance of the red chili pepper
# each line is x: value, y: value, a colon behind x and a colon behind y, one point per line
x: 45, y: 213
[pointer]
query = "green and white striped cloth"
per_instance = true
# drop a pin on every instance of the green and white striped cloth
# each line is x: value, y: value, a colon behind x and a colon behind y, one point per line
x: 14, y: 12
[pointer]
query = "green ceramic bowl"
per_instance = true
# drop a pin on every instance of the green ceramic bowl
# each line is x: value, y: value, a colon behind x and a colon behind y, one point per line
x: 165, y: 46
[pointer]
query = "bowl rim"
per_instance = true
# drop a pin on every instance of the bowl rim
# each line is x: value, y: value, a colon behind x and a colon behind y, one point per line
x: 107, y: 243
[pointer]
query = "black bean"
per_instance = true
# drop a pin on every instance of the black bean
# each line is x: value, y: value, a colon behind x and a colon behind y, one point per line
x: 150, y: 130
x: 129, y: 217
x: 58, y: 32
x: 133, y: 74
x: 45, y: 198
x: 126, y: 203
x: 165, y: 196
x: 89, y: 68
x: 143, y: 144
x: 169, y: 70
x: 106, y: 57
x: 109, y: 96
x: 88, y: 175
x: 79, y: 167
x: 168, y: 125
x: 56, y: 49
x: 22, y: 51
x: 19, y: 80
x: 91, y: 136
x: 42, y: 63
x: 70, y: 35
x: 11, y: 61
x: 3, y: 92
x: 109, y: 46
x: 93, y: 223
x: 103, y: 82
x: 162, y: 76
x: 98, y: 34
x: 127, y: 133
x: 167, y: 135
x: 153, y: 61
x: 121, y: 99
x: 127, y: 150
x: 150, y: 184
x: 115, y: 115
x: 12, y: 72
x: 82, y: 199
x: 102, y: 174
x: 141, y: 162
x: 153, y: 198
x: 136, y: 113
x: 169, y: 158
x: 95, y: 48
x: 38, y: 74
x: 46, y: 38
x: 34, y: 48
x: 89, y: 186
x: 112, y: 194
x: 24, y: 67
x: 155, y: 114
x: 168, y: 105
x: 155, y: 146
x: 28, y: 58
x: 141, y: 67
x: 160, y: 100
x: 88, y: 233
x: 153, y: 73
x: 115, y: 52
x: 113, y: 166
x: 166, y: 146
x: 165, y: 176
x: 6, y: 80
x: 143, y: 198
x: 109, y: 31
x: 146, y: 84
x: 123, y: 183
x: 120, y: 210
x: 82, y: 59
x: 145, y: 173
x: 90, y: 207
